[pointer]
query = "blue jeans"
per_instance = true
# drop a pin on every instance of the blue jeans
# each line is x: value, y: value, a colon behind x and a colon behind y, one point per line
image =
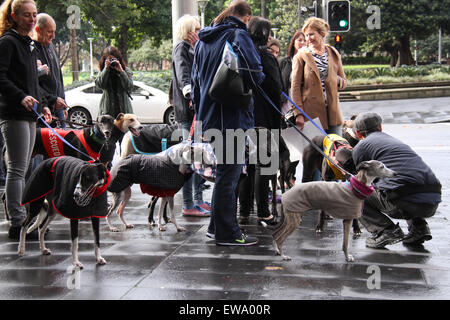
x: 223, y: 221
x: 60, y: 114
x: 193, y: 188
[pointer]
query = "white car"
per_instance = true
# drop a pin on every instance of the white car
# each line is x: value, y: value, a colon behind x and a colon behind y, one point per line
x: 151, y: 105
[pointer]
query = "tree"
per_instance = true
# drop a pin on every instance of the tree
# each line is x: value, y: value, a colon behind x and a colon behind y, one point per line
x: 401, y: 21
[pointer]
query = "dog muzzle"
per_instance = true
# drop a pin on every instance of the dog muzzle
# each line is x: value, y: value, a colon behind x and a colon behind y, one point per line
x: 82, y: 199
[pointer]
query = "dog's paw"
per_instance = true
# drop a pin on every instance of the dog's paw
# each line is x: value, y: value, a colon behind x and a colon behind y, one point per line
x: 162, y: 228
x: 101, y: 261
x: 21, y: 253
x: 350, y: 258
x: 286, y: 258
x: 179, y: 229
x: 46, y: 252
x: 319, y: 230
x: 114, y: 229
x: 129, y: 226
x: 357, y: 234
x: 78, y: 264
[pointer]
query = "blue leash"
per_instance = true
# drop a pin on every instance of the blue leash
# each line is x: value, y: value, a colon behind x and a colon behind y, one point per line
x: 57, y: 134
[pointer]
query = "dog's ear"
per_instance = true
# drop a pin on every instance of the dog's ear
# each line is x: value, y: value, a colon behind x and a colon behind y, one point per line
x: 120, y: 116
x: 101, y: 169
x: 363, y: 166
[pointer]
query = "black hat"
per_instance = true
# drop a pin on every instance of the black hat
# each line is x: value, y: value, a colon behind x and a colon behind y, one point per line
x: 367, y: 122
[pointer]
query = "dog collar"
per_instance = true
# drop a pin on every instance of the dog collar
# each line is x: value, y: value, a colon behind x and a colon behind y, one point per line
x: 359, y: 189
x: 97, y: 138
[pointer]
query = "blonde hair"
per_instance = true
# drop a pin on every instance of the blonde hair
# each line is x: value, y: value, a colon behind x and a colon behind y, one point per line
x: 184, y: 25
x: 7, y: 7
x: 318, y: 24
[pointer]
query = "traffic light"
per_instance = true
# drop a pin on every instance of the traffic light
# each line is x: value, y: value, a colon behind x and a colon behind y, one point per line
x: 338, y: 14
x: 338, y: 42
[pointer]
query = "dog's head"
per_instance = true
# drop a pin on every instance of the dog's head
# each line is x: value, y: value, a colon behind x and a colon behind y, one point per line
x: 93, y: 176
x: 128, y: 122
x: 344, y: 157
x: 105, y: 125
x: 374, y: 169
x: 194, y: 157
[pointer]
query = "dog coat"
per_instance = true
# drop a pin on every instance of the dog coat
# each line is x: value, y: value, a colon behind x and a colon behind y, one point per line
x: 157, y: 174
x: 54, y: 146
x: 61, y: 176
x: 154, y: 139
x: 342, y: 200
x: 331, y: 144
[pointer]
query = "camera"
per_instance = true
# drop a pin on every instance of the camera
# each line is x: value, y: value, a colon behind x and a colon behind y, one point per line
x: 113, y: 62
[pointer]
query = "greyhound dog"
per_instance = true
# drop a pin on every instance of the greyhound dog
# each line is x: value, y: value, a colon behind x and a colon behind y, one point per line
x: 340, y: 151
x: 342, y: 200
x: 74, y: 188
x: 161, y: 175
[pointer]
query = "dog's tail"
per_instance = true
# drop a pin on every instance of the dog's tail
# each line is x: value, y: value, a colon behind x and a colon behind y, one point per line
x: 40, y: 219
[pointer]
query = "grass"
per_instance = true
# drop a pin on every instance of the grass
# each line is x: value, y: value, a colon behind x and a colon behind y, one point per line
x: 364, y: 66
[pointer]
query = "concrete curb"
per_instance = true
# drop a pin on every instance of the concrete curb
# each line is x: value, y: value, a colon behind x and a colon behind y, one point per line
x: 401, y: 93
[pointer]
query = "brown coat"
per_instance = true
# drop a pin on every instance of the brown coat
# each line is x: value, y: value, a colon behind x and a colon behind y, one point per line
x: 307, y: 89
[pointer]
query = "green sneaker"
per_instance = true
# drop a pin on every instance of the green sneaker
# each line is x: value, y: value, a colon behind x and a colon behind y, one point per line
x: 243, y: 241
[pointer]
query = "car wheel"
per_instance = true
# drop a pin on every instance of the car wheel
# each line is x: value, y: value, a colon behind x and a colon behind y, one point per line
x: 79, y: 115
x: 169, y: 116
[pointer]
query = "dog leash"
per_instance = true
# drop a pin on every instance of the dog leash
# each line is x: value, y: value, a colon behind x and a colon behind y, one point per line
x: 58, y: 135
x: 292, y: 124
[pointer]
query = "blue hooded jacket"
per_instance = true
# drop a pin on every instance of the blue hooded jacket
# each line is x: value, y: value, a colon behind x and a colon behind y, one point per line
x: 207, y: 58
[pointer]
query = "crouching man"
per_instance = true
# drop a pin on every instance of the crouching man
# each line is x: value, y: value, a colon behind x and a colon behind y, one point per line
x: 413, y: 194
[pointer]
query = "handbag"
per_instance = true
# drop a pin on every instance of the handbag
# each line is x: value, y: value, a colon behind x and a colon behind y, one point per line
x: 227, y: 86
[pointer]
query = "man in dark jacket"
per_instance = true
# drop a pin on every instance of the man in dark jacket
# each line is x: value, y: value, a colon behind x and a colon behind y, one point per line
x: 229, y: 25
x: 413, y: 194
x: 51, y: 83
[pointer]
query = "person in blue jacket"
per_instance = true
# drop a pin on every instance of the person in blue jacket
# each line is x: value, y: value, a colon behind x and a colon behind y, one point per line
x: 229, y: 25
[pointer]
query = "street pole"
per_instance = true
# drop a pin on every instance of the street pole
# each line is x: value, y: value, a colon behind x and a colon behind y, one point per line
x: 202, y: 4
x: 91, y: 57
x: 440, y: 46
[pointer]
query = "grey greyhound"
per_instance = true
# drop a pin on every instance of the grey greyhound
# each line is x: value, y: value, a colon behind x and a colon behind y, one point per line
x: 342, y: 200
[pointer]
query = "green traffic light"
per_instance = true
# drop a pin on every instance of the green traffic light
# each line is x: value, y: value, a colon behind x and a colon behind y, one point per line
x: 343, y: 23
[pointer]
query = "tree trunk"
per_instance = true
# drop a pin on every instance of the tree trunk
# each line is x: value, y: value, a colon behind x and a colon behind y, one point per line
x: 74, y: 54
x: 123, y: 41
x: 404, y: 52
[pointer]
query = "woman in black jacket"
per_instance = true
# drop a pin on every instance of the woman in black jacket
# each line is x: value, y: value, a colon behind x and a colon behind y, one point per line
x: 266, y: 117
x: 19, y: 94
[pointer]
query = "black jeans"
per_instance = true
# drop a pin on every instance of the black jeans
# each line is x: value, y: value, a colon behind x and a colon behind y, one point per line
x: 377, y: 211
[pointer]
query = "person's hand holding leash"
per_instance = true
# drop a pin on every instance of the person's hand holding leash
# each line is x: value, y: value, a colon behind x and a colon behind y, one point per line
x: 300, y: 121
x: 47, y: 114
x: 28, y: 102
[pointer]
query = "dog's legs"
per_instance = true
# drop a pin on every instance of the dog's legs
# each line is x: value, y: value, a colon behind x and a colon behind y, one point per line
x: 125, y: 199
x: 172, y: 215
x: 290, y: 223
x: 273, y: 182
x: 151, y: 210
x: 162, y: 205
x: 320, y: 221
x: 74, y: 237
x: 117, y: 196
x: 33, y: 210
x: 96, y: 229
x: 43, y: 227
x: 347, y: 225
x: 356, y: 230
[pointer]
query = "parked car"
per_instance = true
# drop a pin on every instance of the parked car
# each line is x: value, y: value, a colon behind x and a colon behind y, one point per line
x: 151, y: 105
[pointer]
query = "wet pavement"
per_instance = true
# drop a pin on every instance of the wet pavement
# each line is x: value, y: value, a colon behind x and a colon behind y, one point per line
x: 144, y: 263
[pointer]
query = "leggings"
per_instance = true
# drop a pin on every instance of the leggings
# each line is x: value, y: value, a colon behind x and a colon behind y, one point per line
x: 19, y: 136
